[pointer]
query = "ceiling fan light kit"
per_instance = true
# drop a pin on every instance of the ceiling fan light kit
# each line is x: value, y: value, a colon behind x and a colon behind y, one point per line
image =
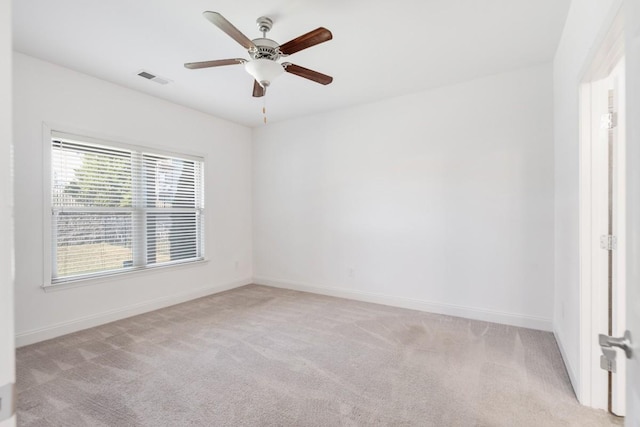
x: 265, y: 53
x: 264, y: 71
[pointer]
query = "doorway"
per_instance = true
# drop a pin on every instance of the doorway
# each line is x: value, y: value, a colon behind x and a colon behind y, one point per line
x: 602, y: 224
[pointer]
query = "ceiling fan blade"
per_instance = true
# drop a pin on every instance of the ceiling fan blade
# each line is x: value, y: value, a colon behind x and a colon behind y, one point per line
x: 216, y: 63
x: 317, y: 77
x: 219, y: 21
x: 312, y: 38
x: 258, y: 90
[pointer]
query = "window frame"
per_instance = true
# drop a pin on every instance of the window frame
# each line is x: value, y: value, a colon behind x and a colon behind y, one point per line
x: 49, y: 132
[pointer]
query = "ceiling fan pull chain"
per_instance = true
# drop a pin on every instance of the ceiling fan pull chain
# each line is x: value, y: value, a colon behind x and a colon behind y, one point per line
x: 264, y: 109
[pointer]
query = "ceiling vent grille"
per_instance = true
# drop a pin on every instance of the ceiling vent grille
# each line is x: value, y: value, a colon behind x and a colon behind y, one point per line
x: 150, y: 76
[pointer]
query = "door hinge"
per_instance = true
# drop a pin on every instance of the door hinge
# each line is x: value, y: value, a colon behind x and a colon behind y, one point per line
x: 609, y: 120
x: 7, y: 401
x: 608, y: 242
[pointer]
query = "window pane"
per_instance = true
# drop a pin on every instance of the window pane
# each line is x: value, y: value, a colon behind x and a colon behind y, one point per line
x: 172, y: 236
x: 171, y: 182
x: 90, y: 176
x: 92, y: 242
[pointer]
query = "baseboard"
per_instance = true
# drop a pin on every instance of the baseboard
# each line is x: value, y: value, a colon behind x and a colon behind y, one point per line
x: 570, y: 370
x: 530, y: 322
x: 63, y: 328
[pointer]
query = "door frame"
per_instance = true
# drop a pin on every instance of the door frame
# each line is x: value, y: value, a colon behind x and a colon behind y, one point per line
x: 593, y: 382
x: 7, y: 340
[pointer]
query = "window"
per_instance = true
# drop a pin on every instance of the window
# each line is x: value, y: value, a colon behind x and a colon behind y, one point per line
x: 118, y: 208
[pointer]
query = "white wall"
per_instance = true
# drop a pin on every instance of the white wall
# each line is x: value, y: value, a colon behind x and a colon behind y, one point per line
x: 586, y: 25
x: 47, y: 93
x: 441, y: 200
x: 7, y: 363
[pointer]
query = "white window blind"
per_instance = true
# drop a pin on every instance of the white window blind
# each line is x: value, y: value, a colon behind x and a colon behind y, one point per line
x: 118, y: 209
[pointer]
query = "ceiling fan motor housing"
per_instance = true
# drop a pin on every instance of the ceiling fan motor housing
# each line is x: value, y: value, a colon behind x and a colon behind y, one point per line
x: 266, y: 48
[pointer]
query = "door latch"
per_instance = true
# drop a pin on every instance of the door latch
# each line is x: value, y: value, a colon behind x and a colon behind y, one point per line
x: 608, y: 360
x: 624, y: 343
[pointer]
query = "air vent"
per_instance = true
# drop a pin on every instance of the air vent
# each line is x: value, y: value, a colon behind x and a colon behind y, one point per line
x: 146, y: 75
x: 157, y: 79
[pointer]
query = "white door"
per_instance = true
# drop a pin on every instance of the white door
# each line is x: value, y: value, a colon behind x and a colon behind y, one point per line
x: 632, y: 30
x: 609, y: 93
x: 7, y: 351
x: 602, y: 216
x: 604, y: 98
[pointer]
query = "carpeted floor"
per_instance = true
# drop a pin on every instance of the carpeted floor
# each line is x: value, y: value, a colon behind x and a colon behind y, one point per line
x: 260, y: 356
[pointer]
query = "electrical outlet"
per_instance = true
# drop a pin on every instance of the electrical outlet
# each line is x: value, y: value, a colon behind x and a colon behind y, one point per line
x: 237, y: 265
x: 351, y: 272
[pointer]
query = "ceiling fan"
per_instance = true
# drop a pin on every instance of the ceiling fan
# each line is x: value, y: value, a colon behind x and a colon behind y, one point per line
x: 265, y: 53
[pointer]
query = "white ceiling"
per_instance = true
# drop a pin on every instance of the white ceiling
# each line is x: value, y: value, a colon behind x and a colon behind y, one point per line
x: 379, y: 49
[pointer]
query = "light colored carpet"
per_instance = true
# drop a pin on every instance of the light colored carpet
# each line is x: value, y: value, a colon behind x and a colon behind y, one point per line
x: 260, y: 356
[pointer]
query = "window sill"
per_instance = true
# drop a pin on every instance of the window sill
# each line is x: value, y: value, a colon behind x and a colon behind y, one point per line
x: 94, y: 280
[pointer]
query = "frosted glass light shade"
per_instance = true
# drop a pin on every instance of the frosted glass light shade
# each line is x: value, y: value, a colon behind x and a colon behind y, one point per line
x: 264, y: 70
